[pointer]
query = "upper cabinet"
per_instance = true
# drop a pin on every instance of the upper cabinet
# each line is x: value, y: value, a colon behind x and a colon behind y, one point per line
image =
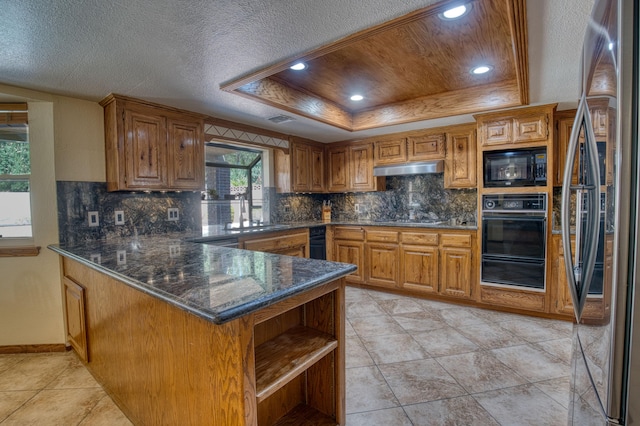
x: 302, y: 169
x: 460, y: 162
x: 350, y: 168
x: 429, y: 146
x: 521, y: 126
x: 150, y: 147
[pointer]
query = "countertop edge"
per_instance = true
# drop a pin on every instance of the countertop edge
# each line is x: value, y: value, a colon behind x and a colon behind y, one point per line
x: 225, y: 315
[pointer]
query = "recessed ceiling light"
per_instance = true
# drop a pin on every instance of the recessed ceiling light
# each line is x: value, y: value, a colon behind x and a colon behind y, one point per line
x: 454, y: 12
x: 357, y: 97
x: 481, y: 69
x: 299, y: 66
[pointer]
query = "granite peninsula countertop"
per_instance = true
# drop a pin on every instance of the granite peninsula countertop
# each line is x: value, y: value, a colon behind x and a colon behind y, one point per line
x: 213, y: 233
x: 218, y: 284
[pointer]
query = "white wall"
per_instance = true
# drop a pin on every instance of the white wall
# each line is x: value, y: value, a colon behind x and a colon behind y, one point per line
x: 67, y: 139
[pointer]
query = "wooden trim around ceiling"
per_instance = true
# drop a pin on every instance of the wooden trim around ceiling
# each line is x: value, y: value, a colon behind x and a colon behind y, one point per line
x: 271, y: 92
x: 465, y: 101
x: 519, y: 33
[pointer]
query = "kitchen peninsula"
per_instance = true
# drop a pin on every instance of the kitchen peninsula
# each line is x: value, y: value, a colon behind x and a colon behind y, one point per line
x: 184, y: 333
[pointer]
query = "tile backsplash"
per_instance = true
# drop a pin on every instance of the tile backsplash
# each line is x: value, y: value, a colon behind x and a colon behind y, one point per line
x: 417, y: 197
x: 142, y: 213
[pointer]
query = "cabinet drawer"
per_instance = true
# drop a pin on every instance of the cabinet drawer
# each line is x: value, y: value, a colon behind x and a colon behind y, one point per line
x: 349, y: 233
x: 455, y: 240
x: 382, y: 236
x: 420, y: 238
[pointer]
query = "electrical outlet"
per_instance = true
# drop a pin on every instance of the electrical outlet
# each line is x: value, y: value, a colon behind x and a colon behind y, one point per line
x: 174, y: 250
x: 95, y: 258
x: 357, y: 207
x: 119, y: 217
x: 121, y: 257
x: 173, y: 214
x: 93, y: 218
x: 287, y: 209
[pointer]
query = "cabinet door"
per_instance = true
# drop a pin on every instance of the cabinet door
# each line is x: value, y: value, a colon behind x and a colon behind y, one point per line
x: 531, y: 128
x: 145, y: 151
x: 427, y: 147
x: 317, y: 169
x: 338, y: 179
x: 351, y: 252
x: 455, y: 272
x: 186, y: 154
x: 382, y: 264
x: 496, y: 132
x: 564, y: 124
x: 460, y: 163
x: 600, y: 122
x: 390, y: 152
x: 563, y: 304
x: 361, y: 167
x: 300, y: 172
x: 75, y: 318
x: 419, y: 265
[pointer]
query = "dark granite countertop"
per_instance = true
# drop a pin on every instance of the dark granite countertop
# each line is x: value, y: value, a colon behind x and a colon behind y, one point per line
x: 215, y: 283
x: 213, y: 233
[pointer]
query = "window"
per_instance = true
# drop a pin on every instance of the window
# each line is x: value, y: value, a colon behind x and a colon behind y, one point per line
x: 234, y: 185
x: 15, y: 173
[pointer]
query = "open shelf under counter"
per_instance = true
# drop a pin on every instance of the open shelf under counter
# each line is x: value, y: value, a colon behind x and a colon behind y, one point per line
x: 306, y: 415
x: 280, y: 360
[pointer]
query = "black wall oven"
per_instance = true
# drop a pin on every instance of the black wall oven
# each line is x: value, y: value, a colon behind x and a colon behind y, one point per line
x: 514, y: 231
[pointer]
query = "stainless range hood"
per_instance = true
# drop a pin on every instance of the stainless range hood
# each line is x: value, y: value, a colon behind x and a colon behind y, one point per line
x: 436, y: 166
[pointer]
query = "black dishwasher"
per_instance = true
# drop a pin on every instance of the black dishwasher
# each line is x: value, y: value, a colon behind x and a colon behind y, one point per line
x: 317, y: 244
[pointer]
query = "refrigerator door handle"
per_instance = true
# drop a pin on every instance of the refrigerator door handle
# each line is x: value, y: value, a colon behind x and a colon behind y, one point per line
x: 580, y: 270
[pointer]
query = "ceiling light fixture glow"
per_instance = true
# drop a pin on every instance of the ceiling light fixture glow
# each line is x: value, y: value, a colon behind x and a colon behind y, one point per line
x: 357, y: 98
x: 482, y: 69
x: 454, y: 12
x: 299, y: 66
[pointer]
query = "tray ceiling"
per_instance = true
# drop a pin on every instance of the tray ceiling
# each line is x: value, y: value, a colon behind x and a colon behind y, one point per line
x: 416, y: 67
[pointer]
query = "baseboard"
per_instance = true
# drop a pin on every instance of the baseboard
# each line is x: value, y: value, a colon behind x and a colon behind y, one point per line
x: 23, y: 349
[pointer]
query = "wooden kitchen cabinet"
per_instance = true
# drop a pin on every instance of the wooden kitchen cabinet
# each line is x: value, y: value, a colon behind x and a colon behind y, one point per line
x: 382, y: 258
x: 348, y: 247
x: 460, y: 162
x: 430, y: 146
x: 290, y: 243
x: 564, y: 125
x: 413, y: 148
x: 305, y: 168
x: 151, y: 147
x: 75, y: 322
x: 597, y: 306
x: 390, y: 152
x: 456, y: 256
x: 350, y: 169
x: 338, y: 169
x: 518, y: 126
x: 419, y: 262
x: 282, y: 364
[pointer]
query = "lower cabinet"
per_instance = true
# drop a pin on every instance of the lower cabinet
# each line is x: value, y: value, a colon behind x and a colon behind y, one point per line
x: 418, y: 262
x: 455, y: 276
x: 75, y: 318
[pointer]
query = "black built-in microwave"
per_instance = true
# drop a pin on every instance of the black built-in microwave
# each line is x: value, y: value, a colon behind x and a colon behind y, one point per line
x: 515, y: 167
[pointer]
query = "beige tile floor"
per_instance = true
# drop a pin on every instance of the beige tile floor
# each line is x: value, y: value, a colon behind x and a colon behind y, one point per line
x: 409, y: 362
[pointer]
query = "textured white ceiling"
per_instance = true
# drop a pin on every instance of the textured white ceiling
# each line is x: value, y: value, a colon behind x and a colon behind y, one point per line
x: 178, y: 52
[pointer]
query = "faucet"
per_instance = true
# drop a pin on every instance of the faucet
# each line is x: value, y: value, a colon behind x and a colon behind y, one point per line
x: 241, y: 218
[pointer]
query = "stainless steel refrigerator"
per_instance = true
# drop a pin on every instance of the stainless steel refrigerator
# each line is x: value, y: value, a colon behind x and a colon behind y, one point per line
x: 599, y: 215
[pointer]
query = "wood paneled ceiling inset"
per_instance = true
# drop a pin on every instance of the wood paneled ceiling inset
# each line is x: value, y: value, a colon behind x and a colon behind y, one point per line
x: 416, y: 67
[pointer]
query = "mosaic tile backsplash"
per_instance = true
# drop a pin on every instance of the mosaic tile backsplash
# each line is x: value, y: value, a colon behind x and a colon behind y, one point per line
x: 143, y: 213
x: 418, y: 197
